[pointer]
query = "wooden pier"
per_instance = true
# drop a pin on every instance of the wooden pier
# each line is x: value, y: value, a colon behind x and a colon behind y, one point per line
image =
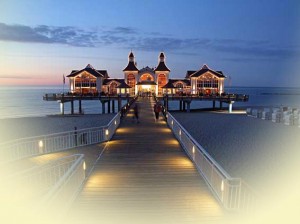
x: 184, y: 101
x: 144, y: 176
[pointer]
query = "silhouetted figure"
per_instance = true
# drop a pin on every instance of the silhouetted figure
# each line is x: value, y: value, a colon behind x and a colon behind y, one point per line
x: 136, y: 112
x: 157, y: 110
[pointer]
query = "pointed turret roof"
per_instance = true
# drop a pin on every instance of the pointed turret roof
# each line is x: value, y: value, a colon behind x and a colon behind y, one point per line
x: 161, y: 65
x: 131, y: 64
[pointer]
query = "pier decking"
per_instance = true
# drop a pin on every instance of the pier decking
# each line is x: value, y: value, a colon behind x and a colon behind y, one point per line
x: 144, y: 176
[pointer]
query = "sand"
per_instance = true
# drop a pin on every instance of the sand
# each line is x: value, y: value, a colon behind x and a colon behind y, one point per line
x: 256, y: 150
x: 15, y: 128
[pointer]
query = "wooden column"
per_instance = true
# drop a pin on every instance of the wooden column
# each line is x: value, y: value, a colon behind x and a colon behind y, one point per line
x: 113, y: 106
x: 230, y: 106
x: 72, y: 106
x: 62, y: 108
x: 188, y: 109
x: 103, y: 107
x: 79, y: 107
x: 119, y: 103
x: 108, y: 106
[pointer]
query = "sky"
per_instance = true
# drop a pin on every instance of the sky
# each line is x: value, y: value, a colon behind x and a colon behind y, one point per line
x: 254, y: 42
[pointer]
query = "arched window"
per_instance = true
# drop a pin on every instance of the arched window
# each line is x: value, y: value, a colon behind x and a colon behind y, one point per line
x: 179, y: 85
x: 113, y: 88
x: 161, y: 80
x: 207, y: 81
x: 131, y: 80
x: 85, y: 83
x: 146, y: 77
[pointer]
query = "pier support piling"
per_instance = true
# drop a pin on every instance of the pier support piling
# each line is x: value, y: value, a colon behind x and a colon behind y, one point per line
x: 188, y: 105
x: 103, y: 107
x: 113, y: 106
x: 119, y: 103
x: 230, y: 107
x: 108, y: 106
x: 80, y: 107
x: 72, y: 107
x: 62, y: 108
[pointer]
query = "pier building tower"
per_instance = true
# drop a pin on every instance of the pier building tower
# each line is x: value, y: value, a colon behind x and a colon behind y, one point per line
x: 130, y: 74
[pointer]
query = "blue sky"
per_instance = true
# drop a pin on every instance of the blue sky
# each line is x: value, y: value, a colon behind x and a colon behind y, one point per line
x: 254, y: 42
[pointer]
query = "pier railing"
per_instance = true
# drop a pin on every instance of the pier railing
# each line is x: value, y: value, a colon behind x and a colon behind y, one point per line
x: 43, y: 187
x: 233, y: 193
x: 38, y: 145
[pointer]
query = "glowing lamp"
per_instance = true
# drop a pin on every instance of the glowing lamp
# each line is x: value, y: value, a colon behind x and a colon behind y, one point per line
x: 180, y: 132
x: 115, y: 122
x: 222, y: 185
x: 193, y: 149
x: 41, y: 144
x: 106, y: 132
x: 84, y: 165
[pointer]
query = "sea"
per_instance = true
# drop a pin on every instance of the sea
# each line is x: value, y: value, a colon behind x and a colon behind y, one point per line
x: 27, y: 101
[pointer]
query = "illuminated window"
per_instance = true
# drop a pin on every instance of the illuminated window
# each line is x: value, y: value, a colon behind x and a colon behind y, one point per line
x: 131, y: 80
x: 146, y: 77
x: 113, y: 88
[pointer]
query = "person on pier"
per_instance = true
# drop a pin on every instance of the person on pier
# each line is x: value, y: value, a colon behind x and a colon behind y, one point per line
x: 157, y: 110
x: 136, y: 113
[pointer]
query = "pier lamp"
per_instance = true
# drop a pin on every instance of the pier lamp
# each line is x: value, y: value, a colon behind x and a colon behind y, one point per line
x: 41, y: 144
x: 172, y: 122
x: 222, y: 191
x: 180, y: 132
x: 222, y: 185
x: 84, y: 165
x: 115, y: 122
x: 193, y: 149
x: 106, y: 132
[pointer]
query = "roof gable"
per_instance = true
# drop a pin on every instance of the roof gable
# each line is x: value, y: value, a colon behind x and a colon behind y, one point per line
x: 206, y: 69
x: 89, y: 69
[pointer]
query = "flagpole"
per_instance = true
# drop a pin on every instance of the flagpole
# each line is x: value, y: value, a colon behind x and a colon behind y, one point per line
x: 63, y: 84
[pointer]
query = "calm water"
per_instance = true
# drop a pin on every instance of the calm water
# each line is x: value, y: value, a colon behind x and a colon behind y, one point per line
x: 28, y: 101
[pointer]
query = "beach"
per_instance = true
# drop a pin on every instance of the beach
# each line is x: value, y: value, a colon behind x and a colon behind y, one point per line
x: 258, y: 151
x: 15, y: 128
